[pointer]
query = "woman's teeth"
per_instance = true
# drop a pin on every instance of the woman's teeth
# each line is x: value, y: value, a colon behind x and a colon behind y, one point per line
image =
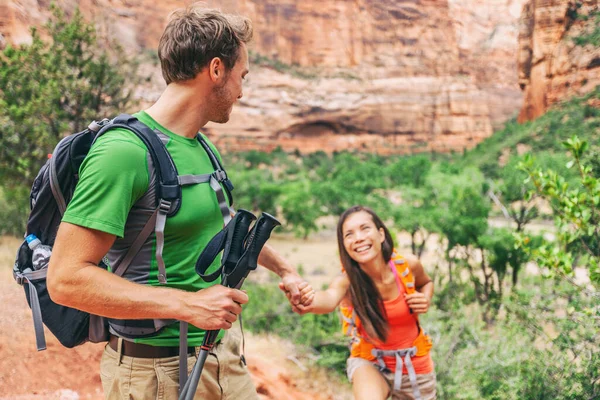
x: 362, y: 249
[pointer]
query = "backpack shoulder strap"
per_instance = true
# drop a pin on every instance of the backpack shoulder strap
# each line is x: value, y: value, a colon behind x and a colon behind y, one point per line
x: 168, y: 189
x: 402, y: 272
x: 221, y: 175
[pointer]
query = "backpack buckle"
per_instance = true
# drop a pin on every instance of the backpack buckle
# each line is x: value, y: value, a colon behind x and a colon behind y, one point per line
x: 95, y: 126
x: 220, y: 175
x: 20, y: 279
x: 164, y: 206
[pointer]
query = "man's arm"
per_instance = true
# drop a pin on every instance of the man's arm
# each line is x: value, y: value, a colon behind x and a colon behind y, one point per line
x: 291, y: 281
x: 75, y: 280
x: 420, y: 301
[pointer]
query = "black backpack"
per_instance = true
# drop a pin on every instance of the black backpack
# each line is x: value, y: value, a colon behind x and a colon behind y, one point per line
x: 52, y: 190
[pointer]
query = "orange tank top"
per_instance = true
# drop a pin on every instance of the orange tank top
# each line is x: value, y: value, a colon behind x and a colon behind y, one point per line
x: 403, y: 327
x: 402, y: 332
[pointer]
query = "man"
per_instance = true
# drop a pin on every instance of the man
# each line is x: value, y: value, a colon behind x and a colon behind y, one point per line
x: 204, y: 61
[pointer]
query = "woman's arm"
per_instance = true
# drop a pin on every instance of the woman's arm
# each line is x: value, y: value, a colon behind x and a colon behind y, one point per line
x: 420, y: 301
x: 322, y: 301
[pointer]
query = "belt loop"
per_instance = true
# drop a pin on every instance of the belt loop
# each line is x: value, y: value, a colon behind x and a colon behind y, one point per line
x: 119, y: 350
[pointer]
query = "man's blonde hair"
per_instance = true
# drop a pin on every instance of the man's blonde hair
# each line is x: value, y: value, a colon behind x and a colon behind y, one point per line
x: 195, y: 35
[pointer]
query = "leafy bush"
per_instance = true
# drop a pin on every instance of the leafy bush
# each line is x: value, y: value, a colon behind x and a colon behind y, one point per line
x: 534, y: 352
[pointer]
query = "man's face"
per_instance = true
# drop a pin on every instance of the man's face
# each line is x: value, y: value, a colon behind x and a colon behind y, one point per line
x: 225, y: 95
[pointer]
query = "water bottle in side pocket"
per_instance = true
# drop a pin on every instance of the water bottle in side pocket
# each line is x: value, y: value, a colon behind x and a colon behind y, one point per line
x: 40, y: 257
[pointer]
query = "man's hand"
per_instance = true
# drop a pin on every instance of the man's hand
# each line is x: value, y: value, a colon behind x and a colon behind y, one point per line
x: 418, y: 302
x: 216, y: 307
x: 307, y: 295
x: 292, y: 283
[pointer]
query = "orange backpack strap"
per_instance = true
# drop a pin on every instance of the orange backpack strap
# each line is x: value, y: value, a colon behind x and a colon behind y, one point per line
x: 403, y: 274
x: 359, y: 347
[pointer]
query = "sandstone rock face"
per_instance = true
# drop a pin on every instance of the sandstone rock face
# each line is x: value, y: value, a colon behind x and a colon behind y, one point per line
x: 487, y: 32
x: 389, y: 115
x: 552, y: 66
x: 392, y: 76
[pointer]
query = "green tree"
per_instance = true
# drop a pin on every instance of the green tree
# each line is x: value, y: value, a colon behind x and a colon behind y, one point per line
x: 410, y: 170
x: 300, y: 207
x: 49, y: 89
x: 464, y: 211
x: 255, y: 189
x: 352, y: 180
x: 417, y: 214
x: 577, y: 214
x: 511, y: 195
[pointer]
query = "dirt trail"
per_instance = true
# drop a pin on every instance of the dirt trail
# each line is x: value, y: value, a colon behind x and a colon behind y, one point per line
x: 73, y: 374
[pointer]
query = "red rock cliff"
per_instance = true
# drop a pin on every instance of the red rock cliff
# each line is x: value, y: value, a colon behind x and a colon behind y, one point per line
x: 387, y: 75
x: 553, y: 63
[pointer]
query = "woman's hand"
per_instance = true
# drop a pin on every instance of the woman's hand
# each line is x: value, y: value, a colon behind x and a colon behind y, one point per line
x: 418, y: 302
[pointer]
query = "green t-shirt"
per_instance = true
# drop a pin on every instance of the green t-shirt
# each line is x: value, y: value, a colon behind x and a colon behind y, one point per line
x: 115, y: 175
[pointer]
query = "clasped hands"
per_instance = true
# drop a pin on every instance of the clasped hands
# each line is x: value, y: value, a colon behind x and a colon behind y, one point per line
x: 299, y: 293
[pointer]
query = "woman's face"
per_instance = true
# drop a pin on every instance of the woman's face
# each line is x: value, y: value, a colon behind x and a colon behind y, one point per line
x: 362, y: 240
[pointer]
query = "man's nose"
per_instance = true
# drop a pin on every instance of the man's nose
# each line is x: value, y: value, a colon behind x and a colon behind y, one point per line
x: 241, y: 95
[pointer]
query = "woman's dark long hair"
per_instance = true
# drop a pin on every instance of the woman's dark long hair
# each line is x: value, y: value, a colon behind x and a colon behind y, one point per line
x: 366, y: 299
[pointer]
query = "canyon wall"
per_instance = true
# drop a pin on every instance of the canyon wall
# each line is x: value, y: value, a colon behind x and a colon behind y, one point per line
x: 392, y: 76
x: 556, y: 61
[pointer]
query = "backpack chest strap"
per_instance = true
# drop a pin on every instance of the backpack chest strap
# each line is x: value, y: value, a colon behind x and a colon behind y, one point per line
x: 403, y: 357
x: 213, y: 180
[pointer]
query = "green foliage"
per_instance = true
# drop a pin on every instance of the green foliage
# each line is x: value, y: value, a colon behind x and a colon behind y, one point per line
x: 255, y: 189
x: 577, y: 215
x: 49, y: 89
x: 522, y: 357
x: 300, y: 207
x: 542, y: 137
x: 418, y: 214
x: 513, y: 196
x: 411, y: 171
x: 591, y: 34
x: 351, y: 181
x: 462, y: 195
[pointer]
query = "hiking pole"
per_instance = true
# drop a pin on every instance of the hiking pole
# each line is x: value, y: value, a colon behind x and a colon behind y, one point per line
x: 233, y: 276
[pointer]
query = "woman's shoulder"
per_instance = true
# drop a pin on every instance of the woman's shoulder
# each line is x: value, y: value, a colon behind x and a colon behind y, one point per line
x: 409, y: 258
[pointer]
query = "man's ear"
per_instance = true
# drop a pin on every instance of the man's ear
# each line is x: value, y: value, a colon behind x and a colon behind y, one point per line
x: 216, y: 70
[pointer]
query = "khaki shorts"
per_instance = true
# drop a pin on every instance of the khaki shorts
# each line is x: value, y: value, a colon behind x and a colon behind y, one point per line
x: 224, y: 376
x: 426, y: 382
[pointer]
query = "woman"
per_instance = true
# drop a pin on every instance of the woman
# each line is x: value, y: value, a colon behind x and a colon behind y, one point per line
x: 380, y: 306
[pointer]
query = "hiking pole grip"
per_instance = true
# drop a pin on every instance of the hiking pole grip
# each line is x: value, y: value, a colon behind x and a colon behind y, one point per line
x: 234, y: 247
x: 258, y: 237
